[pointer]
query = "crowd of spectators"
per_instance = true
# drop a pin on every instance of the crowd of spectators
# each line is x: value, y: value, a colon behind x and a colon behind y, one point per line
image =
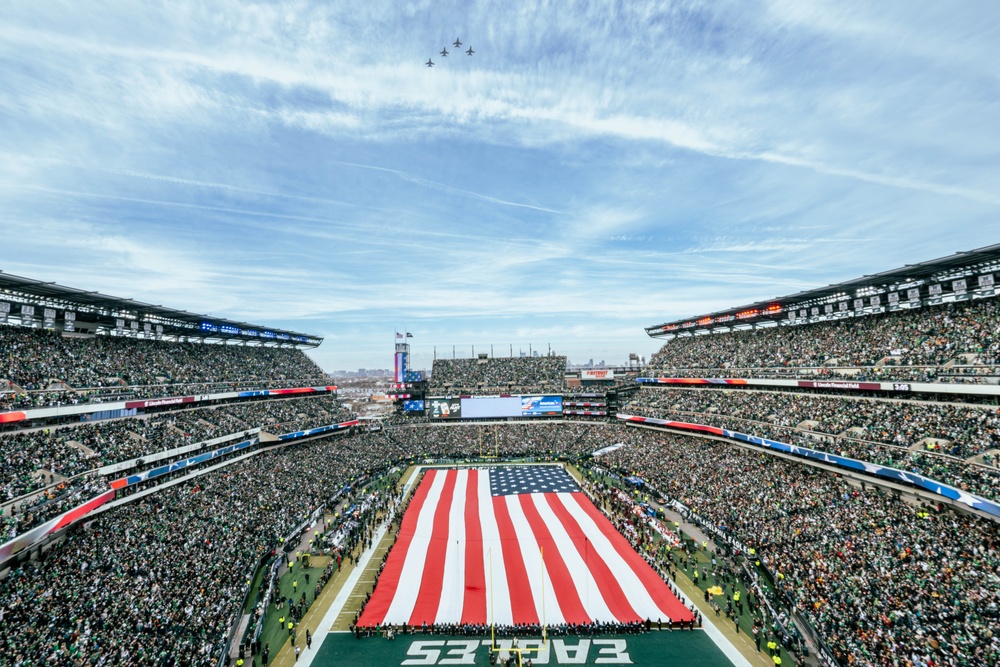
x: 931, y: 336
x: 883, y: 581
x: 160, y: 581
x: 952, y: 374
x: 877, y: 577
x: 31, y: 460
x: 883, y: 432
x: 499, y: 374
x: 542, y: 440
x: 38, y: 359
x: 970, y: 429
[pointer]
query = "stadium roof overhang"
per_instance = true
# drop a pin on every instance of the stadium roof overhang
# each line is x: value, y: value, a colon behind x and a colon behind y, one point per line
x: 109, y: 314
x: 957, y: 277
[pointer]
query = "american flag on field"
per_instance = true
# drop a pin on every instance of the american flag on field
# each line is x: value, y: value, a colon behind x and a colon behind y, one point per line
x: 514, y: 545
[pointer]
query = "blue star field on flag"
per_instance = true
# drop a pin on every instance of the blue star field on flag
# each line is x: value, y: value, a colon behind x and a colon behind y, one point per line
x: 514, y: 480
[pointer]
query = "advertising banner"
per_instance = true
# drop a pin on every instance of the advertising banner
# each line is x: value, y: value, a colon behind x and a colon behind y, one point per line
x: 541, y: 405
x: 690, y: 381
x: 602, y: 374
x: 280, y: 392
x: 446, y: 408
x: 189, y: 462
x: 157, y: 402
x: 318, y: 430
x: 859, y: 386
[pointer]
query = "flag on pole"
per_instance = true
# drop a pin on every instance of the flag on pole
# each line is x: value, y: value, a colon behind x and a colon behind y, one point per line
x: 409, y: 335
x: 399, y: 335
x: 520, y: 544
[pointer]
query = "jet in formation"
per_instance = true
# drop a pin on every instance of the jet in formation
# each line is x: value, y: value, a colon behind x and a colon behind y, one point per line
x: 444, y: 51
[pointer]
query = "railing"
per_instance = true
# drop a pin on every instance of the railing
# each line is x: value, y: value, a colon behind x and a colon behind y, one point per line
x: 808, y: 433
x: 87, y: 395
x: 881, y: 472
x: 971, y: 373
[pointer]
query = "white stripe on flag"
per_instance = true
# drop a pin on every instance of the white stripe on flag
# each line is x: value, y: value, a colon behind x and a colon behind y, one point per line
x: 453, y: 585
x: 533, y: 564
x: 633, y: 588
x: 583, y: 578
x: 416, y: 556
x: 497, y: 598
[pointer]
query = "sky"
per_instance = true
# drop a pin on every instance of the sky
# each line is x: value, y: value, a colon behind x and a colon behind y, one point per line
x: 593, y: 168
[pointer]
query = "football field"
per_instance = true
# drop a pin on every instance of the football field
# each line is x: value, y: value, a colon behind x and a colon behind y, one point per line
x: 508, y: 545
x: 690, y: 648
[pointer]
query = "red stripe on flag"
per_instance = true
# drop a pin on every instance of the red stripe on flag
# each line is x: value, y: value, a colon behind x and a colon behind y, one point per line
x: 522, y: 602
x: 607, y: 584
x: 658, y: 591
x: 474, y: 602
x: 381, y: 598
x: 429, y: 596
x: 562, y: 581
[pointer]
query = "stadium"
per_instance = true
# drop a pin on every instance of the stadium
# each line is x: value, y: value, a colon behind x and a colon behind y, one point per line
x: 208, y: 211
x: 483, y: 520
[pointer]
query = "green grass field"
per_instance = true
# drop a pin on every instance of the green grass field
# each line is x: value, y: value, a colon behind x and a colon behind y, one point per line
x: 273, y: 633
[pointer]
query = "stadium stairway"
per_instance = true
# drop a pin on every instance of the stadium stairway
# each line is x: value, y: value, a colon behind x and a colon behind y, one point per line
x: 981, y: 458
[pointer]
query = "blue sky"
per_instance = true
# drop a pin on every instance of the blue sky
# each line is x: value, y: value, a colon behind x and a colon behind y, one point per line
x: 594, y: 168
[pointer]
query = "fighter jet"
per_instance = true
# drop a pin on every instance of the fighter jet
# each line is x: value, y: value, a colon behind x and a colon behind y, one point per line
x: 430, y: 63
x: 444, y: 53
x: 469, y: 52
x: 458, y: 42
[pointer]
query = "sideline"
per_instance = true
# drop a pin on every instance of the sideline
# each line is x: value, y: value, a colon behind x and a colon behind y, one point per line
x: 720, y: 640
x: 326, y: 625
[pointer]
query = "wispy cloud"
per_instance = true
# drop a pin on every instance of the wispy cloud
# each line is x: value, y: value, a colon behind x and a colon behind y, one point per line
x: 591, y: 170
x: 447, y: 189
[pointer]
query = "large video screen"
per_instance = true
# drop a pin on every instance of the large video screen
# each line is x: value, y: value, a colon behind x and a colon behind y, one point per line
x: 494, y: 407
x: 541, y: 405
x: 497, y: 406
x: 446, y: 408
x: 413, y: 406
